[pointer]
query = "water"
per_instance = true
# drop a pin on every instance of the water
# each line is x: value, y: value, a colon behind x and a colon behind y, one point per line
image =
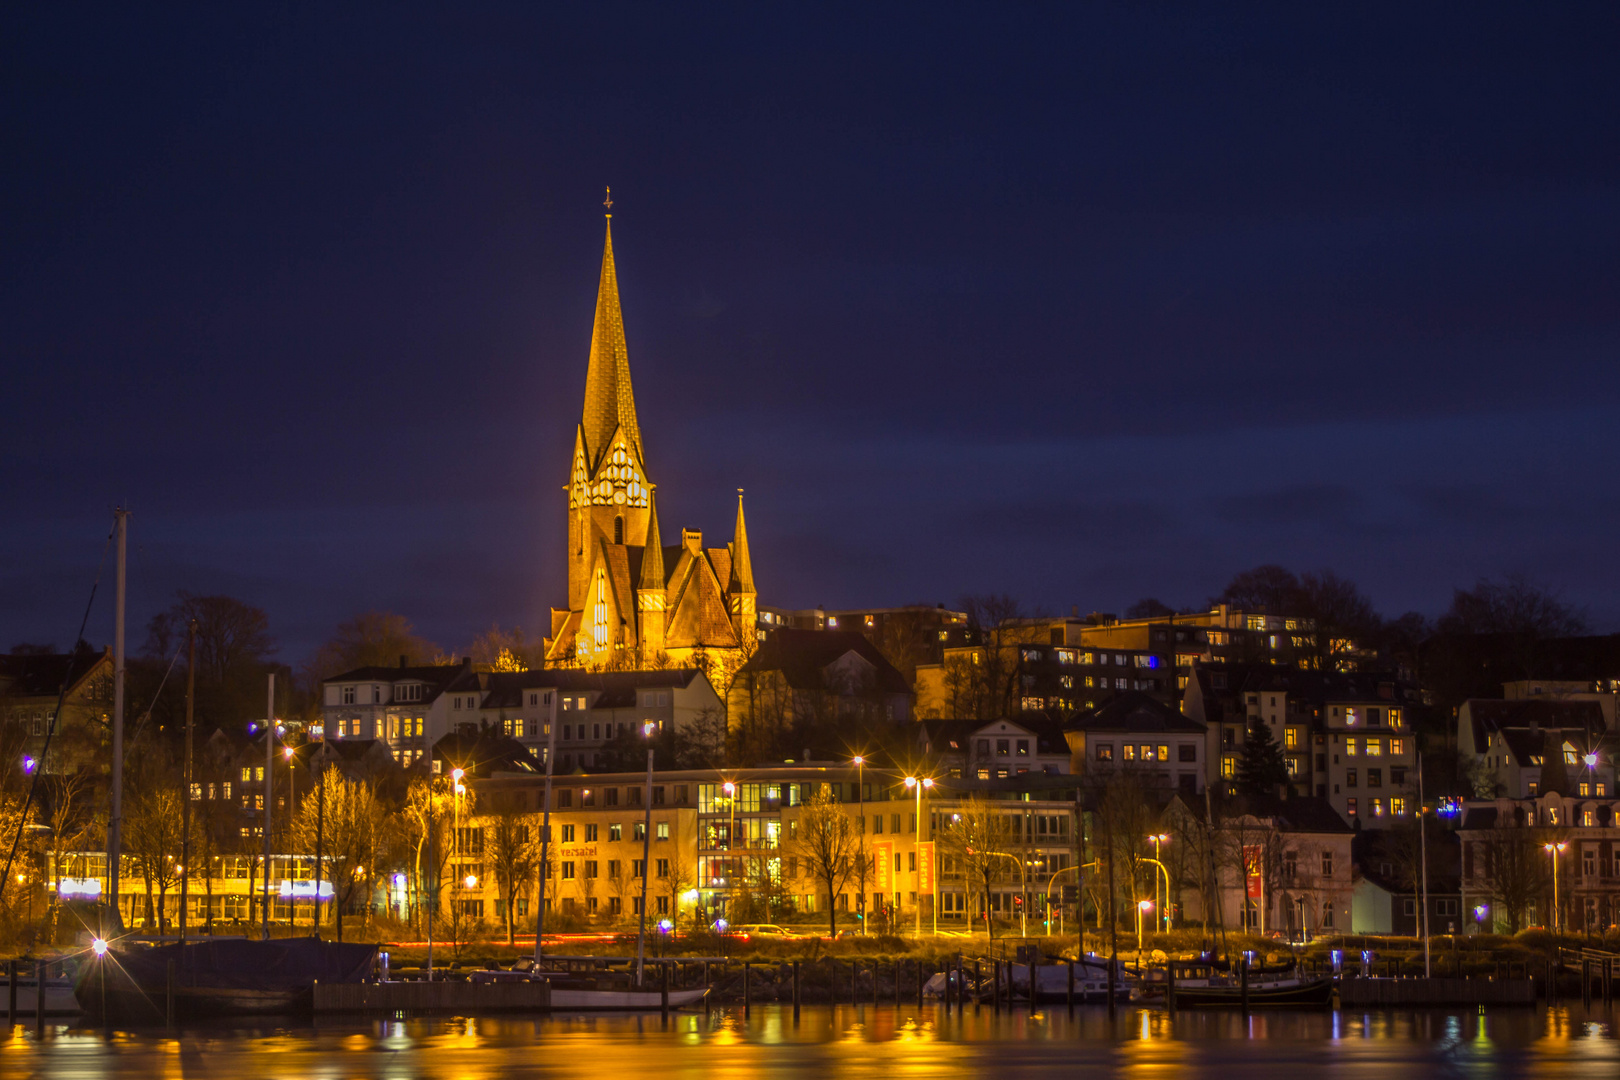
x: 884, y: 1041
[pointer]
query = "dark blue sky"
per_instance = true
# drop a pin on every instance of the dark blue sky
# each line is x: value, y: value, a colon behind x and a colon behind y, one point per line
x: 1080, y: 303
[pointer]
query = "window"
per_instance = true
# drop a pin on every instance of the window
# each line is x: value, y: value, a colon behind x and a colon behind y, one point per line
x: 1349, y: 778
x: 1375, y: 747
x: 348, y: 695
x: 1228, y: 766
x: 590, y: 868
x: 1397, y: 747
x: 1105, y: 752
x: 568, y: 834
x: 615, y: 832
x: 1164, y: 752
x: 1378, y: 807
x: 637, y: 868
x: 1327, y: 915
x: 1291, y: 738
x: 1397, y: 806
x: 1128, y: 752
x: 1327, y: 864
x: 1375, y: 777
x: 639, y: 831
x: 1147, y: 753
x: 1350, y: 807
x: 663, y: 868
x: 877, y: 824
x: 1003, y: 747
x: 663, y: 831
x: 1350, y: 746
x: 1023, y: 747
x: 1395, y: 718
x: 568, y: 871
x: 615, y: 868
x: 1293, y: 766
x: 590, y: 834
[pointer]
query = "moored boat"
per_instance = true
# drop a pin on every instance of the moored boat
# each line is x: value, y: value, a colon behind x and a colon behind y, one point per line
x: 215, y: 977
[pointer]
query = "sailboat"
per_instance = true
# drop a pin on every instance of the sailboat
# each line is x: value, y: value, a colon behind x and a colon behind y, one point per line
x: 133, y: 982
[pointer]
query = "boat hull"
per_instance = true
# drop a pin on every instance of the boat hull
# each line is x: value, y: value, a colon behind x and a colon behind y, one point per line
x: 215, y: 978
x: 564, y: 1000
x: 1310, y: 993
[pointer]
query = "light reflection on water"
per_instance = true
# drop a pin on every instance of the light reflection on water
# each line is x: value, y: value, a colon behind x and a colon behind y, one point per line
x: 892, y: 1043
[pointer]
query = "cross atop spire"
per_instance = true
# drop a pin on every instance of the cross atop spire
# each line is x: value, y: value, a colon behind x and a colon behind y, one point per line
x: 608, y: 202
x: 610, y: 403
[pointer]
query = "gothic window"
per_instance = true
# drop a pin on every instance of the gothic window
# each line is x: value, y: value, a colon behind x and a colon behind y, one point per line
x: 600, y: 629
x: 618, y: 530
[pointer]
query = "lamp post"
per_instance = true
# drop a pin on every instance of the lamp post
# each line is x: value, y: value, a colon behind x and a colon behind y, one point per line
x: 292, y: 807
x: 859, y: 761
x: 1161, y: 838
x: 1142, y: 908
x: 647, y: 730
x: 1553, y: 850
x: 918, y: 786
x: 731, y: 838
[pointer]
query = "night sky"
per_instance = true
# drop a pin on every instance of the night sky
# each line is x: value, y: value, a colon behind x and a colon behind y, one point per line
x: 1078, y: 303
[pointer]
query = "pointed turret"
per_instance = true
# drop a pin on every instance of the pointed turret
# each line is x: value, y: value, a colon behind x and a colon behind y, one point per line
x: 652, y: 560
x: 610, y: 403
x: 651, y: 596
x: 742, y: 567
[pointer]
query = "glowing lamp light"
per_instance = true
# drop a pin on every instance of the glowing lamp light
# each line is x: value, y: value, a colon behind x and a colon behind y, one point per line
x: 287, y: 753
x: 721, y: 925
x: 472, y: 881
x: 665, y: 926
x: 1591, y: 760
x: 399, y: 881
x: 1145, y: 905
x: 647, y: 729
x: 457, y: 774
x: 1479, y: 912
x: 858, y: 761
x: 911, y: 781
x: 728, y: 787
x: 690, y: 896
x: 29, y: 764
x: 98, y: 947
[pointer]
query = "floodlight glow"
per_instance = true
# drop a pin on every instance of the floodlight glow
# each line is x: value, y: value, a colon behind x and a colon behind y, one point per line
x: 98, y: 947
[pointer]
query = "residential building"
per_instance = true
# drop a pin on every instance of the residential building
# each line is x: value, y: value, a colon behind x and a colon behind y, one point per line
x: 808, y: 675
x: 411, y: 709
x: 1521, y: 748
x: 1282, y: 865
x: 1136, y: 732
x: 1518, y: 854
x: 30, y: 684
x: 998, y: 750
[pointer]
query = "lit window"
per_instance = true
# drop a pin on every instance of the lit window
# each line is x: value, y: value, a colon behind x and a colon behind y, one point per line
x: 1397, y: 747
x: 1397, y: 806
x: 1375, y: 747
x: 1350, y: 807
x: 1164, y: 752
x: 1105, y: 752
x: 1129, y: 752
x: 1229, y: 767
x: 1378, y: 807
x: 1350, y: 747
x: 1291, y: 738
x: 1350, y: 716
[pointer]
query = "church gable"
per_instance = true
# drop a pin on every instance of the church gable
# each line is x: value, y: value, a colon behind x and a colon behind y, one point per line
x: 698, y: 615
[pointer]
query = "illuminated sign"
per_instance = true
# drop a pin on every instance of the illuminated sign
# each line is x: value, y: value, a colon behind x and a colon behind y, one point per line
x: 304, y: 890
x: 74, y: 888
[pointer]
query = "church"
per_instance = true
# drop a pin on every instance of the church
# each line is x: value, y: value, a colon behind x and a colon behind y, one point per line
x: 632, y: 601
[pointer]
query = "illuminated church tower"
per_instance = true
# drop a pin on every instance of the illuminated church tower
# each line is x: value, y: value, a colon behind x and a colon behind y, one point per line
x: 632, y: 602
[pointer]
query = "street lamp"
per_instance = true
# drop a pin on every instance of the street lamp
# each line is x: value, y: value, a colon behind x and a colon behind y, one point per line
x: 859, y: 761
x: 919, y: 786
x: 1142, y: 908
x: 1161, y: 838
x: 1553, y: 851
x: 731, y: 837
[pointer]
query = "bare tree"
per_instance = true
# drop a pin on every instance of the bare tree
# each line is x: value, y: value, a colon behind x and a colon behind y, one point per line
x: 1517, y: 867
x: 978, y: 837
x: 374, y: 639
x: 353, y: 839
x: 514, y: 858
x: 827, y: 844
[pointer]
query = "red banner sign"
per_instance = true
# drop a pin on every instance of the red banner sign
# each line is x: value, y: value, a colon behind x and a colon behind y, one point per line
x: 1253, y: 869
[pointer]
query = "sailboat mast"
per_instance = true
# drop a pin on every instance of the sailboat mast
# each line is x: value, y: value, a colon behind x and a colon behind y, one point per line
x: 115, y: 819
x: 269, y: 775
x: 545, y: 832
x: 185, y: 794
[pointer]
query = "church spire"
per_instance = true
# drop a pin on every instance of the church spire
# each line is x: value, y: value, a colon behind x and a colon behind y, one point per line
x: 652, y: 559
x: 609, y: 402
x: 742, y: 568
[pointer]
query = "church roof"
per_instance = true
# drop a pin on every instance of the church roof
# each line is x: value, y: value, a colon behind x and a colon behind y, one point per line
x: 610, y: 404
